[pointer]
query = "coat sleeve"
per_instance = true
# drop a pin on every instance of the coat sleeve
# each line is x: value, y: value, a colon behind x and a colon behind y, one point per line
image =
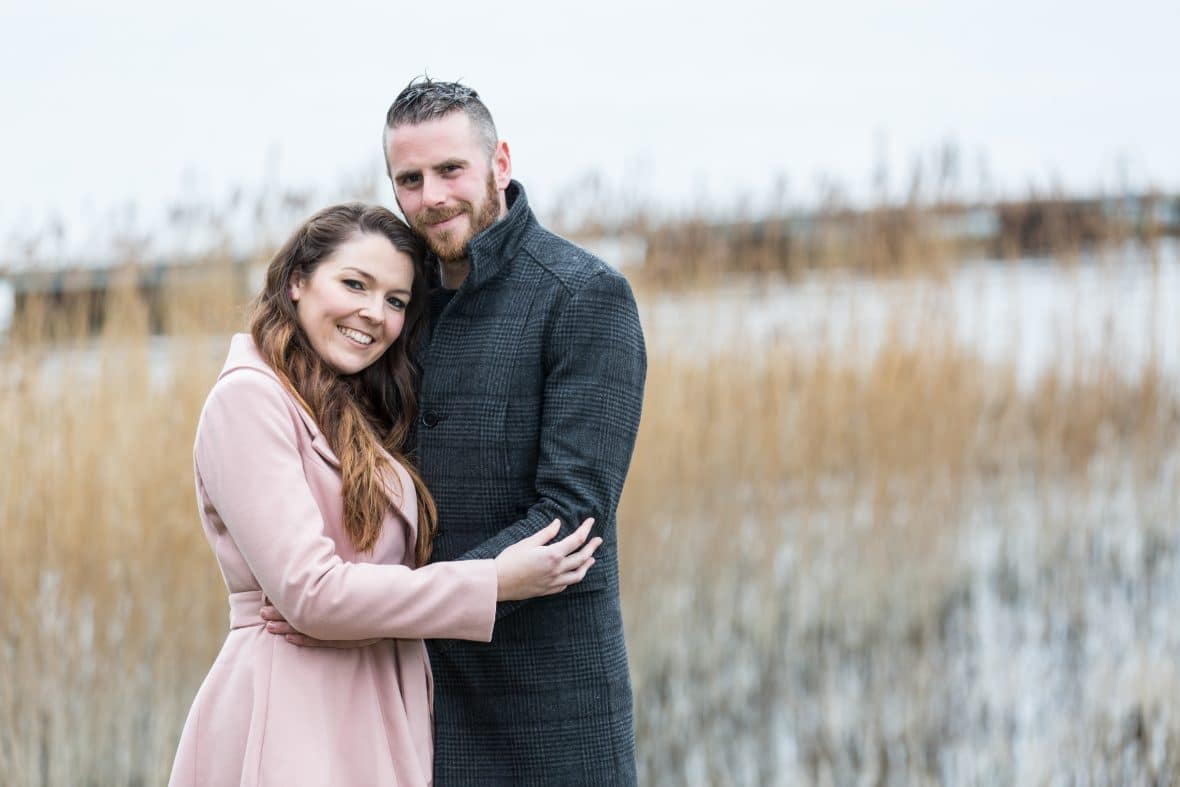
x: 249, y: 465
x: 595, y: 363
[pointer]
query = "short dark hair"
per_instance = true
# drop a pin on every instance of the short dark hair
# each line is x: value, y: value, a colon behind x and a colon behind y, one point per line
x: 425, y: 99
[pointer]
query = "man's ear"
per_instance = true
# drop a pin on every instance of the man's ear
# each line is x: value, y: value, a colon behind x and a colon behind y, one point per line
x: 502, y: 165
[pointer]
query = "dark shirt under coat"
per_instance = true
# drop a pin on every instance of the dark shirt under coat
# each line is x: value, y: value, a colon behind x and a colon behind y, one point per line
x: 529, y: 405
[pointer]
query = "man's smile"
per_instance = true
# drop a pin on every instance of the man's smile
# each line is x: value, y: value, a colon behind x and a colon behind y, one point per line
x: 442, y: 222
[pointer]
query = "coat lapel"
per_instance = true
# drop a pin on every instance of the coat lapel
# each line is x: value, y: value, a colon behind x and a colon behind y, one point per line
x: 243, y: 353
x: 399, y: 487
x: 318, y: 442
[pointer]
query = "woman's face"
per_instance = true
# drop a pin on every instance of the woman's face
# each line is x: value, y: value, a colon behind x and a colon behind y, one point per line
x: 353, y: 305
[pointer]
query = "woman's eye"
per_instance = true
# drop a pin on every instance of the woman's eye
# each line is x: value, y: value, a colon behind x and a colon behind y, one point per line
x: 353, y: 284
x: 396, y: 303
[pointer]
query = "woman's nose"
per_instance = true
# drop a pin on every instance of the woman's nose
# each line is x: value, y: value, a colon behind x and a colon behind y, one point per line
x: 371, y: 310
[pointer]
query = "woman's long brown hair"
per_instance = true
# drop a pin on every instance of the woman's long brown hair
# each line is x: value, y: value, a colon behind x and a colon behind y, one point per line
x: 361, y: 413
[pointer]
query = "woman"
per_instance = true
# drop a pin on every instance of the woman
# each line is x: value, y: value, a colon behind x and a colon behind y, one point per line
x: 309, y: 505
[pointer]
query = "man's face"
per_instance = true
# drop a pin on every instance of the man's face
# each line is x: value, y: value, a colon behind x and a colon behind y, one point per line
x: 444, y: 182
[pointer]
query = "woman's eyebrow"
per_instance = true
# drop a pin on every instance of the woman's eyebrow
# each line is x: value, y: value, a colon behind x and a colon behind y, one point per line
x: 366, y: 276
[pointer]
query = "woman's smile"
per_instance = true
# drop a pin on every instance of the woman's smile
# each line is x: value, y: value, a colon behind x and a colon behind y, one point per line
x: 358, y: 338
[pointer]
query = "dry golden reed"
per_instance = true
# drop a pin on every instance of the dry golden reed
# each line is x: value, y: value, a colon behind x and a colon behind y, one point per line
x: 780, y: 497
x: 109, y: 596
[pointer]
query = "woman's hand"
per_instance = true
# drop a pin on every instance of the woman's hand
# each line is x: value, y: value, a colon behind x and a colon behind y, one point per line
x: 534, y: 567
x: 277, y: 624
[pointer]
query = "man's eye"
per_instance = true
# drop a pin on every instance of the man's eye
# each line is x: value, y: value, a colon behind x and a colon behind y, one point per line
x: 409, y: 180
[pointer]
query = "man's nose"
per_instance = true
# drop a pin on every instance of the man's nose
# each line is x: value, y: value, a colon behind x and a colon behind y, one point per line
x: 433, y: 191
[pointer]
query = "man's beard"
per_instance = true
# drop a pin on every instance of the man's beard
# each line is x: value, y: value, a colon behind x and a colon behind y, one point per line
x: 449, y: 246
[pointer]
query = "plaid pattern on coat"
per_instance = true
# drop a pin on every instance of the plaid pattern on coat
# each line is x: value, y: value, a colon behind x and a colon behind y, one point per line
x: 532, y: 383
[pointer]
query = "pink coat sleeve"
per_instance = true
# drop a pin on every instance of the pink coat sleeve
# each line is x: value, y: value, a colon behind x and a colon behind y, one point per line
x: 249, y: 465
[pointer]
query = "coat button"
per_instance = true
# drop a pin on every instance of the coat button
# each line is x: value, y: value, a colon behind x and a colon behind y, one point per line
x: 430, y: 419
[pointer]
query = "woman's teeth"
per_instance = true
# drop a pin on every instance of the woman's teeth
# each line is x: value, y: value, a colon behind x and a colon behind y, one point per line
x: 356, y: 336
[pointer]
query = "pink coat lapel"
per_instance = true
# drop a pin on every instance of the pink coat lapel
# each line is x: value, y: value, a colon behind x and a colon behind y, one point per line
x: 244, y: 355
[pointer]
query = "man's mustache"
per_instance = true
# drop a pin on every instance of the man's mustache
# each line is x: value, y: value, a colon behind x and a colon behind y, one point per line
x: 437, y: 215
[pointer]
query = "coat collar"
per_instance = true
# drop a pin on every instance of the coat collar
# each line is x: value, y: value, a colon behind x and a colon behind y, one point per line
x: 243, y: 354
x: 492, y: 249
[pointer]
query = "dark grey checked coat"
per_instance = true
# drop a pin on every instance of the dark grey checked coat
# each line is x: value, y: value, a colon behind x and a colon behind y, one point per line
x: 529, y: 404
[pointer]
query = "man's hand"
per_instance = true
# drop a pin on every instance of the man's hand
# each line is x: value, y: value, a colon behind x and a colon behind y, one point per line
x: 277, y: 624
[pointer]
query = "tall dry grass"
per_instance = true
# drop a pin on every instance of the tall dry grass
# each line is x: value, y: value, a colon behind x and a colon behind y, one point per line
x: 829, y: 565
x: 109, y: 599
x: 816, y: 552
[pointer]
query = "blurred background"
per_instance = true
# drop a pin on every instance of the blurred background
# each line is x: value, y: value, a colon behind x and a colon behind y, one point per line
x: 905, y: 507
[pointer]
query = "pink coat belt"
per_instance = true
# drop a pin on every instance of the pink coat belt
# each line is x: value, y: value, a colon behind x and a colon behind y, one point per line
x: 244, y: 608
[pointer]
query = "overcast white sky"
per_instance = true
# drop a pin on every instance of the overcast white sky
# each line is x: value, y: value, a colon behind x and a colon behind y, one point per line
x: 127, y: 102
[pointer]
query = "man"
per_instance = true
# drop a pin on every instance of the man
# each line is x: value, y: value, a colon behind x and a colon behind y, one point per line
x: 532, y: 383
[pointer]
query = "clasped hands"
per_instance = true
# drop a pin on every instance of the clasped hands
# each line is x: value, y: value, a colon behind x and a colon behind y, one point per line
x: 529, y: 568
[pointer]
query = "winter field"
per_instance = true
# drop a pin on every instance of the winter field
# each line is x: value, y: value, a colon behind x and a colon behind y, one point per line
x: 922, y: 529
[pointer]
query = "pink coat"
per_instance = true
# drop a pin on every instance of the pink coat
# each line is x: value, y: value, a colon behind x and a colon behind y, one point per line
x: 272, y: 713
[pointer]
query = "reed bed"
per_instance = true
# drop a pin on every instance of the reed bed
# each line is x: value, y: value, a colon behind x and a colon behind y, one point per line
x: 830, y: 569
x: 910, y: 569
x: 920, y: 569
